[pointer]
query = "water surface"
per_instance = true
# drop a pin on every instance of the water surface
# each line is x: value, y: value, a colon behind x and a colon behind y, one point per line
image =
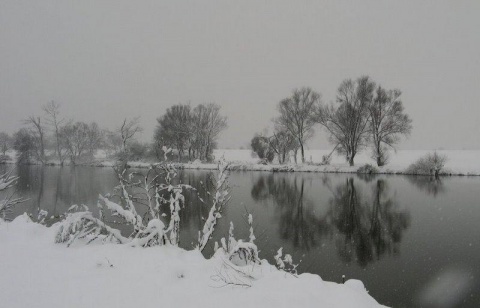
x: 404, y: 237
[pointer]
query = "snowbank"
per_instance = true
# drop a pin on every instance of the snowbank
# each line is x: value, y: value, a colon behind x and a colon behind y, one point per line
x: 35, y: 272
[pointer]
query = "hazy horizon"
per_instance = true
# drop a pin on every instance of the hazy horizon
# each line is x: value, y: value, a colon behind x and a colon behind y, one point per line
x: 104, y: 61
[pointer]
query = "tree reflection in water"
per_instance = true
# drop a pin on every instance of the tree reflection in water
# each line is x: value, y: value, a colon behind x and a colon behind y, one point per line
x: 365, y: 228
x: 429, y: 184
x: 297, y: 222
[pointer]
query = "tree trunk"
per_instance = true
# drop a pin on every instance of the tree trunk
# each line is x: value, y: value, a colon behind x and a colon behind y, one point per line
x: 379, y: 160
x: 350, y: 160
x: 303, y: 152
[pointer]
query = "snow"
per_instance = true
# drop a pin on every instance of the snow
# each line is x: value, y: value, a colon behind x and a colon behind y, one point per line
x: 459, y: 162
x: 465, y: 162
x: 35, y: 272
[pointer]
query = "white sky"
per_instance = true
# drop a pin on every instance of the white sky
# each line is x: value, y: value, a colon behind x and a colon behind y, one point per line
x: 106, y: 60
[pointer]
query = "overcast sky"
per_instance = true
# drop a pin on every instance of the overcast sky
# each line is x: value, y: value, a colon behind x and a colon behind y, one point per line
x: 106, y: 60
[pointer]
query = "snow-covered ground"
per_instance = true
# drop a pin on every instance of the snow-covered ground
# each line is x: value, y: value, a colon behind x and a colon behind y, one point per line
x: 459, y: 162
x: 465, y: 162
x: 35, y: 272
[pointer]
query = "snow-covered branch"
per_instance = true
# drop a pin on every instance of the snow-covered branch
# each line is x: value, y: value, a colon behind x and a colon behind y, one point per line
x: 220, y: 200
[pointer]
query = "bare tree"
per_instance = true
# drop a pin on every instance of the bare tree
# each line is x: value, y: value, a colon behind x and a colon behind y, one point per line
x: 5, y: 143
x: 128, y: 130
x: 52, y: 111
x: 23, y: 144
x: 113, y: 142
x: 208, y: 124
x: 75, y: 138
x: 95, y: 138
x: 348, y: 123
x: 38, y: 132
x: 387, y: 123
x: 175, y: 129
x: 282, y: 142
x: 297, y: 115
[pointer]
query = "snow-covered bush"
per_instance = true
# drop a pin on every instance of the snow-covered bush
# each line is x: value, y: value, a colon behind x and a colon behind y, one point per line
x: 7, y: 181
x: 326, y: 159
x: 239, y: 252
x: 430, y: 164
x: 285, y: 263
x: 239, y: 259
x: 134, y: 190
x: 148, y: 206
x: 367, y: 169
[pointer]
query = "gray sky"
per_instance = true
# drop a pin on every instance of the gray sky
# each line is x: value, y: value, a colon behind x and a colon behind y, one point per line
x: 106, y: 60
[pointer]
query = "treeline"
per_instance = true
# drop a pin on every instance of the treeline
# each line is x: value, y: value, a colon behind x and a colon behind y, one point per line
x: 364, y: 115
x: 192, y: 133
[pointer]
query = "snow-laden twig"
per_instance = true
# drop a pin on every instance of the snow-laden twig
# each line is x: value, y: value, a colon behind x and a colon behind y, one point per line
x: 220, y: 199
x: 8, y: 181
x: 285, y: 264
x: 83, y: 225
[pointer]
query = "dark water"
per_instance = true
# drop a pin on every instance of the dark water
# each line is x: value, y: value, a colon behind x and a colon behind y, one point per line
x: 411, y: 240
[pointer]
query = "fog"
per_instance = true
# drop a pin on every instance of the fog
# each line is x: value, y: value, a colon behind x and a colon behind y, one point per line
x: 106, y: 60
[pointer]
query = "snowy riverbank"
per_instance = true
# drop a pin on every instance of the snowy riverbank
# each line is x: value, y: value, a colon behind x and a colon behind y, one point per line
x: 38, y: 273
x: 459, y: 162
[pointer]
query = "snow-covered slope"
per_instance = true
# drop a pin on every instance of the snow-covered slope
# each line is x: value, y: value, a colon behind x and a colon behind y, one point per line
x: 35, y: 272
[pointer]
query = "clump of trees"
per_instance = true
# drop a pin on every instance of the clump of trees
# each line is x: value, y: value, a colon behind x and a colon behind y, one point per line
x: 5, y: 143
x: 297, y: 116
x: 365, y: 114
x: 52, y: 137
x: 191, y: 133
x: 262, y: 147
x: 279, y: 145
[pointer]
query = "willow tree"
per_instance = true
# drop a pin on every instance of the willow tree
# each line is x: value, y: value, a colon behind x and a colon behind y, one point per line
x: 348, y: 121
x: 297, y: 115
x: 388, y: 122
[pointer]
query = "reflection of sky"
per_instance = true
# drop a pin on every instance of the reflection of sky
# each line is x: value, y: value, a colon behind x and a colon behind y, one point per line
x: 448, y: 288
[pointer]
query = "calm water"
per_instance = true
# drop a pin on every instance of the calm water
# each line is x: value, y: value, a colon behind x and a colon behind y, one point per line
x: 409, y: 239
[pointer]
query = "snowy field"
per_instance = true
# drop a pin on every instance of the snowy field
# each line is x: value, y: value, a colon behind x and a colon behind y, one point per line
x: 35, y: 272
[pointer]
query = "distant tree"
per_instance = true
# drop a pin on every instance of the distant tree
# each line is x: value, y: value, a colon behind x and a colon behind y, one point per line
x: 387, y: 123
x: 75, y: 138
x: 282, y: 142
x: 261, y: 146
x: 5, y: 143
x: 297, y: 115
x: 128, y: 130
x: 175, y: 129
x: 52, y: 112
x: 347, y: 123
x: 24, y: 145
x: 138, y: 150
x: 37, y: 131
x: 208, y: 123
x: 95, y: 138
x: 112, y: 142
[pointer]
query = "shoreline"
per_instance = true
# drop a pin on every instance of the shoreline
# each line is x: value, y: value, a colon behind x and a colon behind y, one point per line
x: 244, y: 166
